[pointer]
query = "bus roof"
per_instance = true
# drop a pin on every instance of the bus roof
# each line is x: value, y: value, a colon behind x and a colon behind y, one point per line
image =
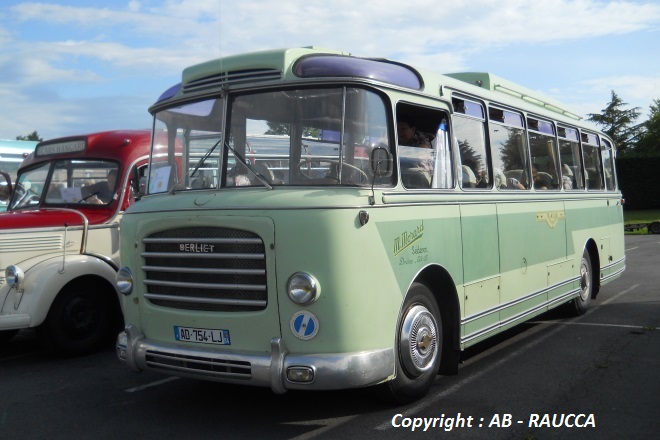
x: 119, y: 145
x: 313, y: 62
x: 495, y: 83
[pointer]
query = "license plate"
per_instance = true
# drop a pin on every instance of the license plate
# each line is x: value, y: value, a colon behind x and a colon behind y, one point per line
x: 202, y: 335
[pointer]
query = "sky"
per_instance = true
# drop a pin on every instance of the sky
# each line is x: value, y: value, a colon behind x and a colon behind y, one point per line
x: 80, y: 66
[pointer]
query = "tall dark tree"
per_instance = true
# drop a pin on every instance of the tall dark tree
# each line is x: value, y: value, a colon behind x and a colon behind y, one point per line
x: 649, y: 139
x: 34, y: 136
x: 618, y: 122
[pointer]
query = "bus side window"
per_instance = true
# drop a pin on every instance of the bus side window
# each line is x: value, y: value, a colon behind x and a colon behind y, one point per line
x: 592, y: 161
x: 544, y: 154
x: 569, y: 153
x: 470, y: 137
x: 509, y: 148
x: 608, y: 161
x: 424, y: 153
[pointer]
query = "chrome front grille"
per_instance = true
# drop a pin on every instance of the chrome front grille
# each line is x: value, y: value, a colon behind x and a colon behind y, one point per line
x: 210, y: 367
x: 206, y: 269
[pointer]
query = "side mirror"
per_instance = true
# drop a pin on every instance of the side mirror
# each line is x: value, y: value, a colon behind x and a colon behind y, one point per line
x: 381, y: 162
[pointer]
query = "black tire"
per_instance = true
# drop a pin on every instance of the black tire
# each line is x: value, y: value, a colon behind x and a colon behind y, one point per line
x: 654, y: 228
x: 581, y: 303
x: 80, y: 321
x: 418, y: 347
x: 6, y: 335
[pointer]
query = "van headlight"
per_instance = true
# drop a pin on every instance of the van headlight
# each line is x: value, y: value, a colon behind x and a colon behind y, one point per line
x: 302, y: 288
x: 14, y: 276
x: 125, y: 281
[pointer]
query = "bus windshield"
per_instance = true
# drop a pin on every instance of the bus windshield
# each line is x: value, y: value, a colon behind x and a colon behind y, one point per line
x: 310, y: 136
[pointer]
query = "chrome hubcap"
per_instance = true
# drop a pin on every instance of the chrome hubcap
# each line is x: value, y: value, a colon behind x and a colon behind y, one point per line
x: 585, y: 281
x: 419, y: 341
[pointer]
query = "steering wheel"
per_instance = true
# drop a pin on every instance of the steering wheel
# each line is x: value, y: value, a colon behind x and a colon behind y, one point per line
x: 25, y: 195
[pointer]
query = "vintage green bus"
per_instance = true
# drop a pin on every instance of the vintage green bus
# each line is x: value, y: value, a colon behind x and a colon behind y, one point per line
x: 318, y: 221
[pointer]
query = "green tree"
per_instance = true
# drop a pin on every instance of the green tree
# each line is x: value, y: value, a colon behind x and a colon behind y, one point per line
x: 649, y: 140
x: 284, y: 129
x: 34, y: 136
x: 618, y: 122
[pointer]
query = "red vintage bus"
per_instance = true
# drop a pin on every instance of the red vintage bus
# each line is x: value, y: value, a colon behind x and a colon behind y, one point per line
x: 59, y: 239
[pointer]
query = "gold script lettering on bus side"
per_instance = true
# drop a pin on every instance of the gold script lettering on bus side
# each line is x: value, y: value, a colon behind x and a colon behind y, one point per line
x: 407, y: 238
x: 551, y: 217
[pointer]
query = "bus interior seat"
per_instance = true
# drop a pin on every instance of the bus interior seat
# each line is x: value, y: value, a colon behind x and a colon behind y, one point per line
x: 469, y: 179
x: 414, y: 179
x: 546, y: 180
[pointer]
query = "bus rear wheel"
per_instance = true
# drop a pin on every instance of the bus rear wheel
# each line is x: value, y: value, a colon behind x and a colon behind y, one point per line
x: 419, y: 343
x: 582, y: 301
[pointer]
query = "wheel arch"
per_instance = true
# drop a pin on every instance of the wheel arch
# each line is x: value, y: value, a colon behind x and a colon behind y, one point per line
x: 443, y: 288
x: 45, y: 281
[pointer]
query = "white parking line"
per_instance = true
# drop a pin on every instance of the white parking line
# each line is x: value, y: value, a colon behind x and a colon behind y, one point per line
x: 329, y: 424
x: 469, y: 379
x: 632, y: 248
x: 152, y: 384
x: 624, y: 292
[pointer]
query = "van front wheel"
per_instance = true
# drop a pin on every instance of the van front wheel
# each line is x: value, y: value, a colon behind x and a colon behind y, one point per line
x: 79, y: 321
x: 419, y: 343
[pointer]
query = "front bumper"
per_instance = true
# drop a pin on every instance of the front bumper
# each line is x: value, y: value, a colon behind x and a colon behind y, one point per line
x: 329, y: 371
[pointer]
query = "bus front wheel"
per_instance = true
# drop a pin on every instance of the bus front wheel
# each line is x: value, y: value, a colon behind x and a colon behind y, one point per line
x: 419, y: 342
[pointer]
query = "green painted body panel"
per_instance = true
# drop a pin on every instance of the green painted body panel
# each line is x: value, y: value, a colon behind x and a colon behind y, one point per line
x: 507, y: 261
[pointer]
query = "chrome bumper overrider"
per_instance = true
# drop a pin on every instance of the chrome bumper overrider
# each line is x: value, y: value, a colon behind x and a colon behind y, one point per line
x: 330, y: 371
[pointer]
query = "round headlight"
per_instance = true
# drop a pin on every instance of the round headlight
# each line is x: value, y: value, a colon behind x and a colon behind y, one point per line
x: 13, y: 276
x: 125, y: 281
x: 302, y: 288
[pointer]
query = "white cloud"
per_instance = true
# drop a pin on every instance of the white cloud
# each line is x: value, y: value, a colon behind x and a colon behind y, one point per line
x: 149, y: 42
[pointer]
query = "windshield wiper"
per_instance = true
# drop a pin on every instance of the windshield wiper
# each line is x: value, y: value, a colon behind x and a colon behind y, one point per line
x: 261, y: 178
x: 203, y: 159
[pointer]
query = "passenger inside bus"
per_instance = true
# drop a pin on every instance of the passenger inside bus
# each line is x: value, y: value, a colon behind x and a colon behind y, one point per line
x: 416, y: 166
x: 103, y: 192
x: 541, y: 180
x: 409, y: 136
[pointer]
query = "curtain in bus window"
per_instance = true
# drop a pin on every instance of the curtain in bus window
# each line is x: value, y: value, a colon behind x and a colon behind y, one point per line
x: 442, y: 171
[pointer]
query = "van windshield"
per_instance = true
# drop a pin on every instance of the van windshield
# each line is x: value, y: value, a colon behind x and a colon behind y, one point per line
x: 88, y: 182
x: 314, y: 136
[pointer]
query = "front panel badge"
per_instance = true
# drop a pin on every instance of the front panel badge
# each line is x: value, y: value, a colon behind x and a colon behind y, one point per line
x: 304, y: 325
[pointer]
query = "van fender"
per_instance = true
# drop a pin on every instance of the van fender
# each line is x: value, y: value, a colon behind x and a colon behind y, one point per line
x: 46, y: 279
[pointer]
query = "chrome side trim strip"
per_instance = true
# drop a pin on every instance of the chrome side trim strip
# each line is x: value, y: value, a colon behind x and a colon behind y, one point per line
x: 504, y: 306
